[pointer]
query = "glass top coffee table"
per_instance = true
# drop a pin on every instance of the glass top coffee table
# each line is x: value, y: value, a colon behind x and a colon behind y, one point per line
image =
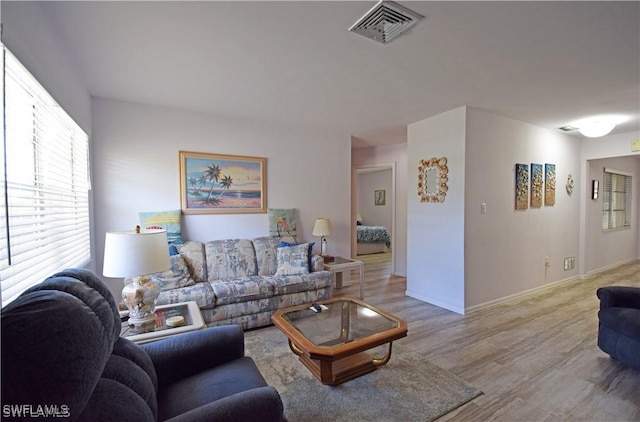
x: 333, y: 343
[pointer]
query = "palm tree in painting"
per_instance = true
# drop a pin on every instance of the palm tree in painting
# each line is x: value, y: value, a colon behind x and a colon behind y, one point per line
x: 212, y: 174
x: 226, y: 183
x: 195, y: 184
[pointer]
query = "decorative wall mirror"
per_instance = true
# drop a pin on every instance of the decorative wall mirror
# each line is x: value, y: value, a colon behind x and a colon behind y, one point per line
x: 433, y: 176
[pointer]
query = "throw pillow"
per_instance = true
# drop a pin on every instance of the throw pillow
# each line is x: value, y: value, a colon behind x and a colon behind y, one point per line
x: 165, y: 220
x: 177, y: 276
x: 284, y: 244
x: 293, y: 260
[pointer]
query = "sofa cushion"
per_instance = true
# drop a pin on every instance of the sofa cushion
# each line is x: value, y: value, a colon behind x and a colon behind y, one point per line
x: 293, y: 260
x: 266, y: 254
x: 283, y: 285
x: 626, y: 321
x: 127, y: 389
x: 230, y: 258
x: 194, y: 257
x: 204, y: 388
x: 241, y: 289
x: 255, y: 313
x: 48, y: 327
x: 177, y: 276
x: 311, y: 244
x: 200, y: 293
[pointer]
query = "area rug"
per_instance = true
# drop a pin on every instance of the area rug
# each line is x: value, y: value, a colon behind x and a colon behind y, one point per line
x: 408, y: 388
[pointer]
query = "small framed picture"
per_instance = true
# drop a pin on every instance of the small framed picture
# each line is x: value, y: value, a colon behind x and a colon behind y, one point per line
x: 379, y: 197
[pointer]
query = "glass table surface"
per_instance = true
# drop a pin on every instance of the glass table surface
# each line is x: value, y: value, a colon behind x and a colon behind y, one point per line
x: 343, y: 321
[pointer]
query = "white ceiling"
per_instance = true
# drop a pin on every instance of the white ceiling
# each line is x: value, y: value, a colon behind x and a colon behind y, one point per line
x: 294, y: 64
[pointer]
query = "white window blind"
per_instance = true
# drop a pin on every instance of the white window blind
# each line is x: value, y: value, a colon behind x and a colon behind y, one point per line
x: 616, y: 201
x: 45, y: 201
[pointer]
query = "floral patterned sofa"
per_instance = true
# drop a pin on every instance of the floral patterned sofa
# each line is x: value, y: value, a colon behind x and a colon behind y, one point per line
x: 243, y: 282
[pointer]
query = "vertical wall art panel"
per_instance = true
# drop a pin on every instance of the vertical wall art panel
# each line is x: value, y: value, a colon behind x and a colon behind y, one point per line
x: 549, y: 184
x: 282, y: 222
x: 537, y: 180
x: 522, y: 186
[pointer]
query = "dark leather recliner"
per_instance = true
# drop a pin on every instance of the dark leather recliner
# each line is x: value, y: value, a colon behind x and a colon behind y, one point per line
x: 619, y: 323
x: 62, y: 355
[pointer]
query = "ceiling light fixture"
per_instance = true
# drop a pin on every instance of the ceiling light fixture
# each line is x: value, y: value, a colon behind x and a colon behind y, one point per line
x: 595, y: 126
x: 385, y: 21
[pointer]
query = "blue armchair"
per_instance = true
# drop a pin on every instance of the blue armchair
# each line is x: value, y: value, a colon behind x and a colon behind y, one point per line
x: 62, y: 355
x: 619, y: 324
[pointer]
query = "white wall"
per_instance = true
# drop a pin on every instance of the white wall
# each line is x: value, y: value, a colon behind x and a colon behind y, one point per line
x: 607, y: 248
x: 611, y: 146
x: 396, y: 156
x: 368, y: 183
x: 436, y: 235
x: 505, y: 249
x: 135, y: 168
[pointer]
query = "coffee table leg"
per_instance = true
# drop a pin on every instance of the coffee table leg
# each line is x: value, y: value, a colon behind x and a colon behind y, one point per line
x: 295, y: 349
x: 381, y: 361
x: 361, y: 280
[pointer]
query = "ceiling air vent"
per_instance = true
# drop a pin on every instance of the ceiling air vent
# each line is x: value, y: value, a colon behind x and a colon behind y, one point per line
x: 385, y: 21
x: 567, y: 128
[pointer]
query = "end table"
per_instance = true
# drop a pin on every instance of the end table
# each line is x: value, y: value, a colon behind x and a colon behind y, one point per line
x: 340, y: 265
x: 188, y: 310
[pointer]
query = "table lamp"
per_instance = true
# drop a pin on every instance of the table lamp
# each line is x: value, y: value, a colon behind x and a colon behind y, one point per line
x: 136, y: 254
x: 322, y: 228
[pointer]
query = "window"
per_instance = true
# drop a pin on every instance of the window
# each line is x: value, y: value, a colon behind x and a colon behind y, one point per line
x: 44, y: 221
x: 616, y: 206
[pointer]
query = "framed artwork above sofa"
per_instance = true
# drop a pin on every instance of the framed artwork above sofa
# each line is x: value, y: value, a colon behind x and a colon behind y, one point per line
x: 222, y: 184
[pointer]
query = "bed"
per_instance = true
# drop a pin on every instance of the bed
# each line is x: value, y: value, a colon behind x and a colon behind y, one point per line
x: 372, y: 239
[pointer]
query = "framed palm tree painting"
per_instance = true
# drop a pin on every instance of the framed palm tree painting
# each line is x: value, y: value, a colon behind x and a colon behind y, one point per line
x: 222, y: 184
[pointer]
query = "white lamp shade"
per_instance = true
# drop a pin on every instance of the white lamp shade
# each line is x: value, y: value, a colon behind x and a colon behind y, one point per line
x: 322, y: 227
x: 130, y: 254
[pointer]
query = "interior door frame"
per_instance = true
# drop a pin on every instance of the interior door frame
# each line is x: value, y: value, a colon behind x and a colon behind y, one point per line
x: 391, y: 198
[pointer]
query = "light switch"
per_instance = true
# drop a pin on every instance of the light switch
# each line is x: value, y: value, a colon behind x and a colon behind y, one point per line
x: 483, y: 208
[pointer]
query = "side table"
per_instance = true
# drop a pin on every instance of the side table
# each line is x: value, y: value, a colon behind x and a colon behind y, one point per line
x: 340, y: 265
x: 188, y: 310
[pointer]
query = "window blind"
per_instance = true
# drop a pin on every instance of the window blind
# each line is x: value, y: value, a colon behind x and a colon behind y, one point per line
x: 616, y: 203
x: 45, y: 203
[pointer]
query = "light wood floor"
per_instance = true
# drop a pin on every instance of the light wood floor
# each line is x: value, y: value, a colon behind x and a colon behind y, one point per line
x: 535, y: 358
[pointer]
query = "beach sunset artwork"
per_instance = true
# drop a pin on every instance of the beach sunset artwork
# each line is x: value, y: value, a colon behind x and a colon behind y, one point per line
x: 215, y: 183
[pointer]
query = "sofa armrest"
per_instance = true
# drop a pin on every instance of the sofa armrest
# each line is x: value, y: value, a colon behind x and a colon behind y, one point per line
x: 262, y: 403
x: 619, y: 297
x: 202, y: 349
x: 317, y: 263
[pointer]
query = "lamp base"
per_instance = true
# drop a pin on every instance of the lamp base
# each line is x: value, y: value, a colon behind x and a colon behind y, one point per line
x: 140, y: 295
x: 146, y: 326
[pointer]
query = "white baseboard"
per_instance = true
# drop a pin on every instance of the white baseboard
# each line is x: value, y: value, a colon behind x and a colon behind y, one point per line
x: 519, y: 295
x: 607, y: 268
x: 546, y: 286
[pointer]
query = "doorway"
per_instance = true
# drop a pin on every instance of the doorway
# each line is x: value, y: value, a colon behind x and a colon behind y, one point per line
x: 373, y: 202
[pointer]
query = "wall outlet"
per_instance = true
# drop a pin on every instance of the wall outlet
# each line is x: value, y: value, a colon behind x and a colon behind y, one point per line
x: 569, y: 263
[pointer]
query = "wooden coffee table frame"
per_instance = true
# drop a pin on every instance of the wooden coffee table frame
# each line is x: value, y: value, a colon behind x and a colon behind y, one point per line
x: 333, y: 365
